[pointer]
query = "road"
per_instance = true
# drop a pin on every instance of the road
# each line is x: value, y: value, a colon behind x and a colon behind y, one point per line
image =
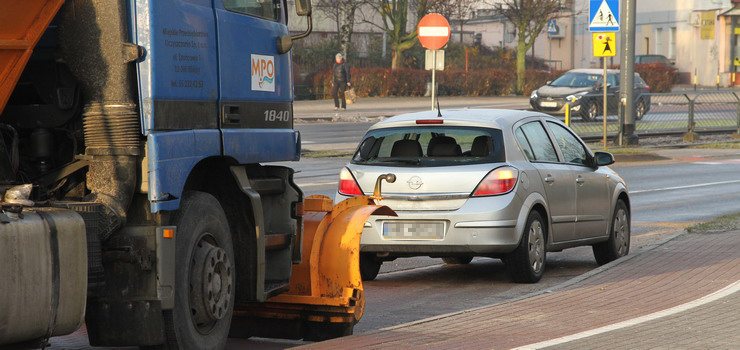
x: 666, y: 197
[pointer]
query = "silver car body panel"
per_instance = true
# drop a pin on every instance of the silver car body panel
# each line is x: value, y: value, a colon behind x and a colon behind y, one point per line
x: 493, y: 225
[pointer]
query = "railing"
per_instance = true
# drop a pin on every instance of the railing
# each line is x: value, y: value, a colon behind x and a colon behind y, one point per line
x: 662, y: 114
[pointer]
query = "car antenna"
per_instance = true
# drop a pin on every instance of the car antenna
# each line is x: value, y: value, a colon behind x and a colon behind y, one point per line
x: 439, y: 113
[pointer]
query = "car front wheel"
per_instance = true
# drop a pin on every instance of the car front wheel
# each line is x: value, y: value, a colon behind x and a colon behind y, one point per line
x: 618, y: 244
x: 526, y: 264
x: 589, y: 111
x: 640, y: 110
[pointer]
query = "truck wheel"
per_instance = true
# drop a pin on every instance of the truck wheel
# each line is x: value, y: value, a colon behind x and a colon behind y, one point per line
x: 369, y: 266
x: 457, y: 260
x: 204, y: 279
x: 527, y: 263
x: 618, y: 244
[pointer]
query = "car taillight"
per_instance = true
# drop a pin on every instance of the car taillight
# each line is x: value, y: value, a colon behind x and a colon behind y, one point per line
x: 498, y: 181
x: 430, y: 121
x: 347, y: 184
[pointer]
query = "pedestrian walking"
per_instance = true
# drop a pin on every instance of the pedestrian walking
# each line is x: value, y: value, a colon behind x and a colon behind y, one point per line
x: 340, y: 71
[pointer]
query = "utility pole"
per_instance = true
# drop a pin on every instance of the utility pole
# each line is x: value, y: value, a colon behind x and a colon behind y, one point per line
x: 627, y: 70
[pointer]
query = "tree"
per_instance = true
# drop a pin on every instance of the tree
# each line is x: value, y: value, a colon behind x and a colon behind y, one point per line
x: 459, y: 10
x: 394, y: 15
x: 529, y: 17
x: 343, y: 12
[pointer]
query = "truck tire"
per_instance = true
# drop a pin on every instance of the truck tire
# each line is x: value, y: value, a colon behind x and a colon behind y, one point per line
x: 618, y: 244
x: 526, y: 263
x: 205, y: 277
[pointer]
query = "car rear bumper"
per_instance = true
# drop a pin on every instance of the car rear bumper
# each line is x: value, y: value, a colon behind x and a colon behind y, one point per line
x: 467, y: 231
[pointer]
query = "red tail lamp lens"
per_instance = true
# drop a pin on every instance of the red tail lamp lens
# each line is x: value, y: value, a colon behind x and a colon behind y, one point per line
x: 347, y: 184
x: 430, y: 121
x: 499, y: 181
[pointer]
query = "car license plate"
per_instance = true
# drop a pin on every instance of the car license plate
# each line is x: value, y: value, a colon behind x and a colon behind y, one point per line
x: 414, y: 230
x: 548, y: 104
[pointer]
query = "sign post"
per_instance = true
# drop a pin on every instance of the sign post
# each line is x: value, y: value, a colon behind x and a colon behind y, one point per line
x: 603, y: 16
x: 433, y: 32
x: 604, y: 46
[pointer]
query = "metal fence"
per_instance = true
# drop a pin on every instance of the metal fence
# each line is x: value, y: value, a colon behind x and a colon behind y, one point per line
x: 661, y: 114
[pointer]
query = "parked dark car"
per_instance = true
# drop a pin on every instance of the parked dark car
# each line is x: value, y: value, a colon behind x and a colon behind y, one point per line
x: 659, y: 59
x: 583, y: 90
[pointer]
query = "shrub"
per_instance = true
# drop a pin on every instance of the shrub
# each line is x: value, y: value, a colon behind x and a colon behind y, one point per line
x: 661, y: 78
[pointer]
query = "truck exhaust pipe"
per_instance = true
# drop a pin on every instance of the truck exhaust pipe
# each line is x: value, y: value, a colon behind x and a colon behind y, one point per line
x: 94, y: 39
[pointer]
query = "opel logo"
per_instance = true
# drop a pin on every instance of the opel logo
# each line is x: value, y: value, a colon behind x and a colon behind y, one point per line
x: 414, y: 182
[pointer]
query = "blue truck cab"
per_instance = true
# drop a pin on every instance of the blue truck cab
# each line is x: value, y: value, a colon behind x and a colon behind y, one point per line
x: 150, y: 124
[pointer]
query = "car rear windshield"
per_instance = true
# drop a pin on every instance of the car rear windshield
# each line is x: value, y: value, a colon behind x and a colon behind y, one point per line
x: 430, y: 146
x: 576, y: 80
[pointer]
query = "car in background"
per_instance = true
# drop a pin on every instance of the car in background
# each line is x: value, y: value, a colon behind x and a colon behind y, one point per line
x: 492, y: 183
x: 659, y: 59
x: 582, y: 90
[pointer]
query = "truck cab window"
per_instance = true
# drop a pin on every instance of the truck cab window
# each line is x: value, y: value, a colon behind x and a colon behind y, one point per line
x: 268, y: 9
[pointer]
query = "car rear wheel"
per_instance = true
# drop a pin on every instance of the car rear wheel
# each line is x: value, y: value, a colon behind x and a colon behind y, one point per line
x: 457, y: 260
x: 618, y: 244
x: 526, y: 264
x: 369, y: 266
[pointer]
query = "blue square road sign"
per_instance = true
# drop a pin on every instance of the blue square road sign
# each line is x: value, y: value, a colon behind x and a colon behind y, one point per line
x: 603, y: 16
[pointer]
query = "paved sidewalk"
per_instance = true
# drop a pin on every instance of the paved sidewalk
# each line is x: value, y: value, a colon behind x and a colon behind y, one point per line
x: 647, y: 300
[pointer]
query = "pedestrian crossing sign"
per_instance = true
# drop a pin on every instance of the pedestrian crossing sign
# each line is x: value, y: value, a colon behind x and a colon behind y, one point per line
x: 603, y: 16
x: 605, y: 44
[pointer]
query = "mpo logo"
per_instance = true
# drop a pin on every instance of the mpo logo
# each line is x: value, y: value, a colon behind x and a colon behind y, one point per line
x: 263, y: 73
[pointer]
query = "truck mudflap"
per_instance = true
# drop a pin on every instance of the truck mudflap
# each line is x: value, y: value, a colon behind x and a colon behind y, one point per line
x: 326, y: 297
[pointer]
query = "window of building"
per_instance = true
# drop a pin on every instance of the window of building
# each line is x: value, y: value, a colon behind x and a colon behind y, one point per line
x: 672, y: 43
x: 659, y: 41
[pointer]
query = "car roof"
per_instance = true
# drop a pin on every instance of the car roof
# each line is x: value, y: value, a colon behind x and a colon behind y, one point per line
x: 495, y: 118
x: 593, y: 71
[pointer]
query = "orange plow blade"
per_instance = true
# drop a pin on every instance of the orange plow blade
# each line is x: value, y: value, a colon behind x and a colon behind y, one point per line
x: 326, y: 297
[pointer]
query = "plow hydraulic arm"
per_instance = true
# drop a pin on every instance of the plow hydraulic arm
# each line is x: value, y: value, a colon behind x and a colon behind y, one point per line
x: 326, y: 297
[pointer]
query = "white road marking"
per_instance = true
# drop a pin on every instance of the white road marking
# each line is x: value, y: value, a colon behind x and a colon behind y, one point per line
x: 687, y: 186
x: 310, y: 184
x: 726, y: 291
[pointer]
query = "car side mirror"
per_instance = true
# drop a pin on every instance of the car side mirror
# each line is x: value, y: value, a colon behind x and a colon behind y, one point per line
x: 603, y: 158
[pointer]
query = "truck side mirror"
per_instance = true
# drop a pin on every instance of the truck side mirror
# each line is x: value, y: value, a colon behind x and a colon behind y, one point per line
x: 303, y: 7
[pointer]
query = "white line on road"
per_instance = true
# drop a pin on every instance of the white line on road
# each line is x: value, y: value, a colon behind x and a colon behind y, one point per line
x: 687, y: 186
x: 726, y: 291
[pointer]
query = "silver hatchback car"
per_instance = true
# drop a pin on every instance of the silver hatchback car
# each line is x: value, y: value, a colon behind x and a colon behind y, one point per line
x: 504, y: 184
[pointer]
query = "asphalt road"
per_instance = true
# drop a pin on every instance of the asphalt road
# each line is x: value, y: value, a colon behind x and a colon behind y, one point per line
x: 666, y: 197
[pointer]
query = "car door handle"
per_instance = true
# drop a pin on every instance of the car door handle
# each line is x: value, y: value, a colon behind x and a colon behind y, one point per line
x: 549, y: 179
x: 580, y: 180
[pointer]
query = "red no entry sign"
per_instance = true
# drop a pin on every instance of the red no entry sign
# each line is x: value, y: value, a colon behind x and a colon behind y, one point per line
x: 433, y: 31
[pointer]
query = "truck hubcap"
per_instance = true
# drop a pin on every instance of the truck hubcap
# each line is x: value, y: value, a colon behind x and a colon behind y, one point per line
x: 210, y: 285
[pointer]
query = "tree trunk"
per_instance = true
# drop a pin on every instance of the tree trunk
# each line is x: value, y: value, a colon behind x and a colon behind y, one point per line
x: 521, y: 55
x: 395, y: 58
x: 347, y: 23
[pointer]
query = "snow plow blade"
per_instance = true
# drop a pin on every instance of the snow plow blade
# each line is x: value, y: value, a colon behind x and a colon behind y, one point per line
x: 326, y: 296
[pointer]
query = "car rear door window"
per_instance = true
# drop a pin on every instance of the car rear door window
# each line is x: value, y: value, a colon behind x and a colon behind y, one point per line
x: 430, y: 146
x: 573, y: 150
x: 536, y: 139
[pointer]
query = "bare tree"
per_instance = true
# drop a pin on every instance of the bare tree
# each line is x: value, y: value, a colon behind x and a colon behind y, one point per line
x: 529, y: 17
x: 395, y: 17
x: 343, y: 12
x: 454, y: 10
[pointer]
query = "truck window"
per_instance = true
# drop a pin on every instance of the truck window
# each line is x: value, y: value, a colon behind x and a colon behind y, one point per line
x: 268, y: 9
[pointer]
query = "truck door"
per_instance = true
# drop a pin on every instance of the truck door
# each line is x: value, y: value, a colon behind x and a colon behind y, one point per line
x: 256, y: 81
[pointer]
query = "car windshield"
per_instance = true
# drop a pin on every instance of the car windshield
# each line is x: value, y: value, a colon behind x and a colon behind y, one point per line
x: 654, y: 59
x: 430, y: 146
x: 576, y: 80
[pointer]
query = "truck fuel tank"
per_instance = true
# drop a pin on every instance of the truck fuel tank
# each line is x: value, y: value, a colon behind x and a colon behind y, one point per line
x: 43, y: 263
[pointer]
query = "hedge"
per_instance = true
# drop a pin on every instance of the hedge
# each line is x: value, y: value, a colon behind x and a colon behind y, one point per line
x: 659, y: 77
x: 384, y: 82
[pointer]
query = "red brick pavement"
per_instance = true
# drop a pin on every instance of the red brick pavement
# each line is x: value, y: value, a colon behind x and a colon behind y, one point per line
x: 681, y: 270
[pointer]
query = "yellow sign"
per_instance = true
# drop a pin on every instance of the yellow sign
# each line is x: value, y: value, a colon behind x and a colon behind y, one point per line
x: 605, y: 44
x: 737, y: 61
x: 707, y: 24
